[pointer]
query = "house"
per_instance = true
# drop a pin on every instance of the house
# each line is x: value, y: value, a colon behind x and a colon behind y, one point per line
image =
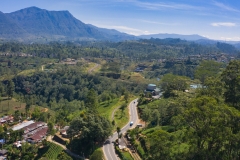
x: 33, y: 126
x: 3, y: 152
x: 6, y: 119
x: 22, y: 125
x: 3, y: 158
x: 38, y: 135
x: 152, y: 88
x: 63, y: 132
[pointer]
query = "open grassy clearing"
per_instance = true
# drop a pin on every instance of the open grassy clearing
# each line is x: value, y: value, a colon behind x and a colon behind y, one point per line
x: 121, y: 117
x: 106, y: 109
x: 10, y: 106
x: 28, y: 72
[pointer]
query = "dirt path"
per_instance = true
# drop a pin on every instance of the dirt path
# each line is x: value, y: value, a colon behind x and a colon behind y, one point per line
x: 49, y: 138
x: 93, y: 68
x: 114, y: 112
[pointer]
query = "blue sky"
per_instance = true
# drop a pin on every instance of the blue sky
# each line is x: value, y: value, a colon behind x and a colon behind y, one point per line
x: 215, y: 19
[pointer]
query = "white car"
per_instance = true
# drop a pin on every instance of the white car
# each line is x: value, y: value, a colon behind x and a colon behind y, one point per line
x: 131, y: 123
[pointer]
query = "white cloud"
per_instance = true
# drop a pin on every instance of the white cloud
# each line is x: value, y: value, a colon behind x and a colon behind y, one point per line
x: 225, y: 7
x: 125, y: 29
x: 154, y: 22
x: 230, y: 38
x: 158, y: 6
x: 224, y: 24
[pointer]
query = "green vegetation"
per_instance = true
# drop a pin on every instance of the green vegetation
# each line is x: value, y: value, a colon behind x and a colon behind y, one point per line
x: 127, y: 156
x: 186, y: 123
x: 97, y: 155
x: 53, y: 151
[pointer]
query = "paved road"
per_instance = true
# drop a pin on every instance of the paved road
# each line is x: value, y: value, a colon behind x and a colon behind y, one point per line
x: 108, y: 147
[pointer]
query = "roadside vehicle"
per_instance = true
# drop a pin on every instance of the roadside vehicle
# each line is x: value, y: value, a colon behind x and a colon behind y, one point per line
x: 131, y: 123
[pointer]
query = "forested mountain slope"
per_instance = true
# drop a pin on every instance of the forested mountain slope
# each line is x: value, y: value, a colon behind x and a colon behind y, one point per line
x: 52, y: 25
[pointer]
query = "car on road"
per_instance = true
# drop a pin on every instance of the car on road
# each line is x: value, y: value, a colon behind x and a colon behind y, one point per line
x: 107, y: 141
x: 131, y: 123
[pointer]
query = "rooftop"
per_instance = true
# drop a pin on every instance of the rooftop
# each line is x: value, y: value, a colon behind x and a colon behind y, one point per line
x: 22, y: 125
x: 152, y: 85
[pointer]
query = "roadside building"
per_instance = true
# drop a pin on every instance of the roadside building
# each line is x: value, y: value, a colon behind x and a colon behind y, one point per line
x: 152, y: 88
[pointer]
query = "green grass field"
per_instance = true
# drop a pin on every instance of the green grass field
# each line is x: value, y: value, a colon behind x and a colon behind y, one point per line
x: 10, y: 106
x: 127, y: 156
x: 106, y: 109
x: 120, y: 117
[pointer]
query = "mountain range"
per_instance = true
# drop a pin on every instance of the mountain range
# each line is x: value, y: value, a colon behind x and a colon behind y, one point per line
x: 35, y: 23
x: 39, y: 25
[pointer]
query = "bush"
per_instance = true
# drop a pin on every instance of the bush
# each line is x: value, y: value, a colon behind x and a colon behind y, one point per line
x: 97, y: 155
x: 141, y: 152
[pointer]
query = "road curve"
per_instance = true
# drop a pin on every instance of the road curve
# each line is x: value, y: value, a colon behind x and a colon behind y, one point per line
x: 108, y: 147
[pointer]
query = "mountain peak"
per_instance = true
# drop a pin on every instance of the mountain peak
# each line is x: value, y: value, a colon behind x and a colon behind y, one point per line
x: 44, y: 24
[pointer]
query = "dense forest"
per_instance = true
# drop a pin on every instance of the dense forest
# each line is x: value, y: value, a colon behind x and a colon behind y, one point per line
x: 136, y: 50
x: 199, y: 124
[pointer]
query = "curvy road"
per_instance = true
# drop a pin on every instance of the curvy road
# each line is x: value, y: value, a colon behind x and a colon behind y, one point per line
x: 108, y: 147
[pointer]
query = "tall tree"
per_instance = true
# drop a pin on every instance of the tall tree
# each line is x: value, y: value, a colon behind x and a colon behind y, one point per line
x: 88, y: 131
x: 146, y: 115
x: 211, y: 127
x: 160, y: 145
x: 10, y: 89
x: 91, y: 100
x: 207, y: 69
x: 118, y: 131
x: 231, y: 79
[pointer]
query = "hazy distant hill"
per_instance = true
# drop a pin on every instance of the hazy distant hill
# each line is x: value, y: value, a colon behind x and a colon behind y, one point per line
x: 9, y: 28
x: 165, y: 35
x: 36, y: 22
x: 237, y: 45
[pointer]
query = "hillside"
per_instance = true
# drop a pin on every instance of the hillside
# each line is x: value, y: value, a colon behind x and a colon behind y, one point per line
x: 165, y: 35
x: 9, y: 29
x: 34, y: 22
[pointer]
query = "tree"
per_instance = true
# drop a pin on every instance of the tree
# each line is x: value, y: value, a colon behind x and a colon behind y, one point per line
x: 113, y: 122
x: 212, y: 130
x: 231, y: 79
x: 207, y: 69
x: 155, y: 117
x: 51, y: 130
x: 10, y: 89
x: 118, y: 131
x: 64, y: 156
x: 16, y: 115
x: 126, y: 96
x: 27, y: 108
x: 97, y: 155
x: 123, y: 106
x: 213, y: 87
x: 170, y: 82
x: 88, y: 131
x: 91, y: 100
x: 160, y: 145
x: 146, y: 115
x: 36, y: 113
